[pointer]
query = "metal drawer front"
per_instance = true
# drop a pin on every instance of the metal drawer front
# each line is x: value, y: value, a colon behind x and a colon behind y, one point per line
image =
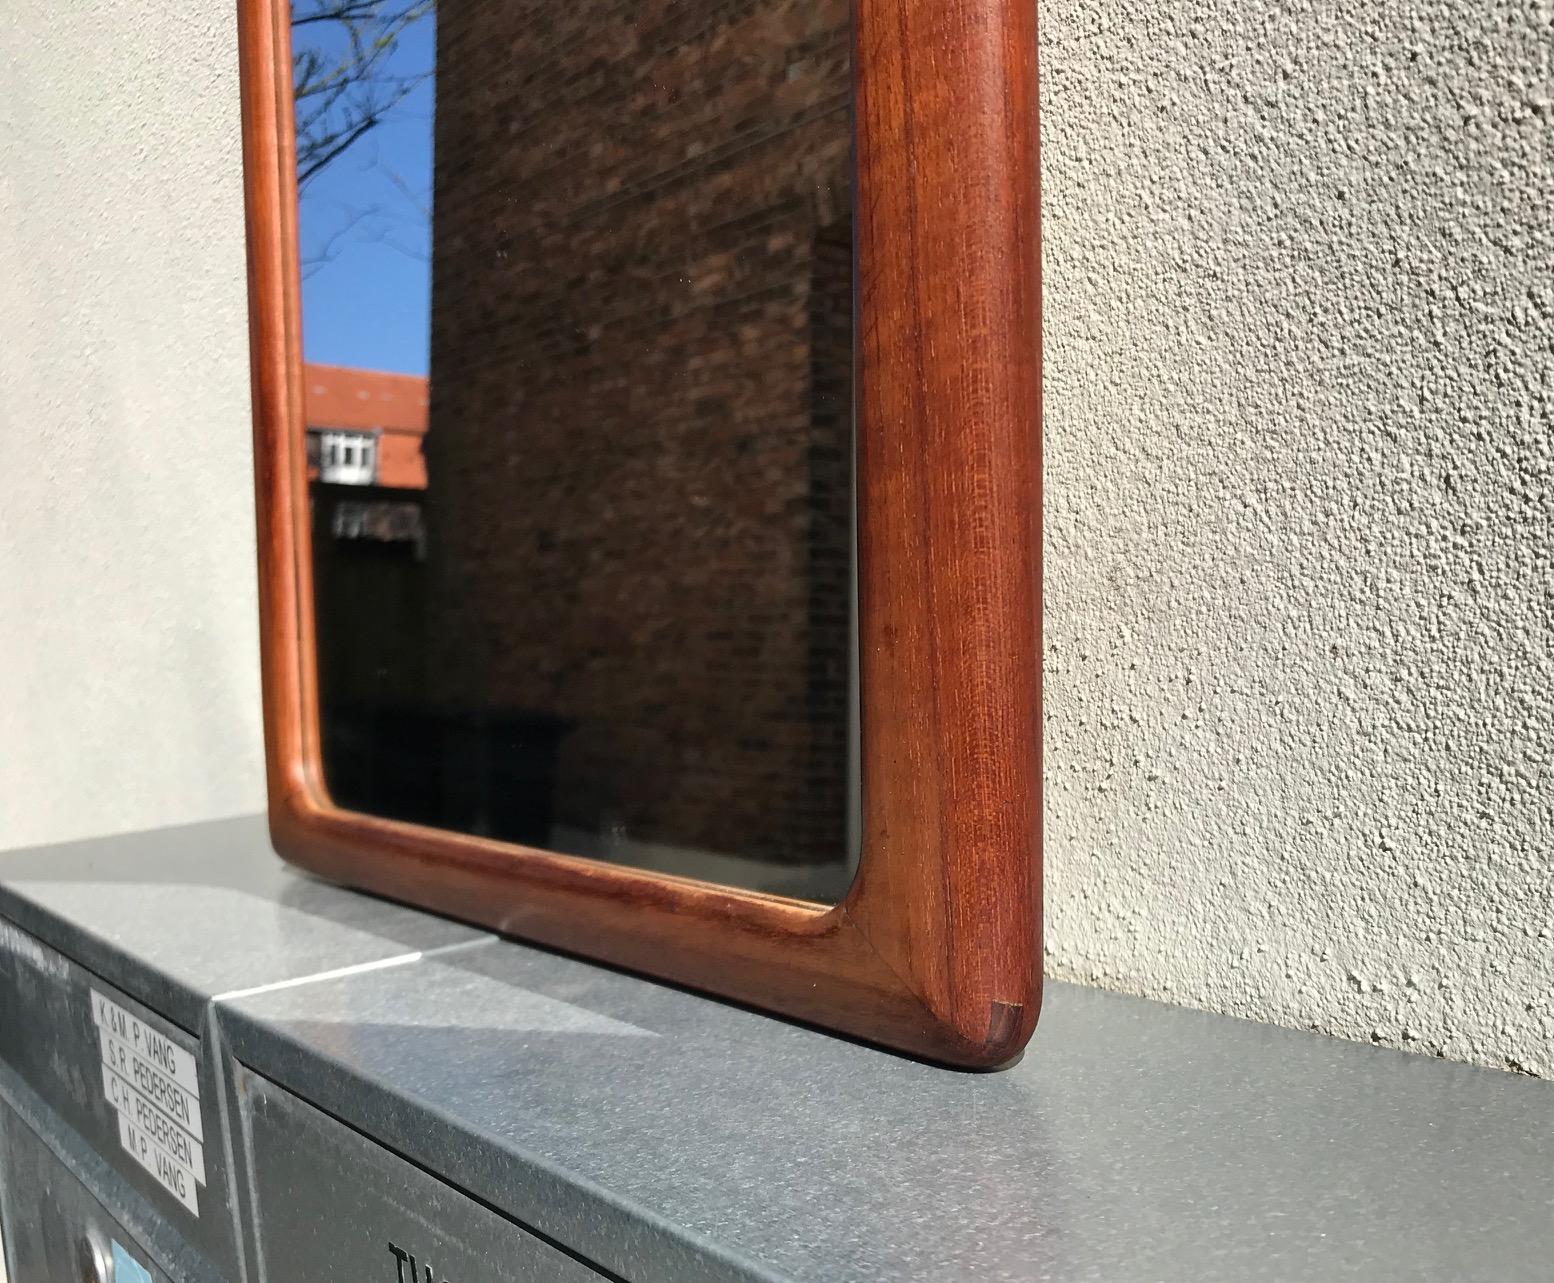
x: 137, y: 1089
x: 55, y: 1230
x: 332, y: 1205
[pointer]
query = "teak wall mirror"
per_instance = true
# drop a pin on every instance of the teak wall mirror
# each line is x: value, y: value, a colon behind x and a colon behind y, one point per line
x: 646, y: 405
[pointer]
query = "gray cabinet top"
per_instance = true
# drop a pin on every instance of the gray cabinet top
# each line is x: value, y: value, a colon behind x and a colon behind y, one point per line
x: 672, y: 1137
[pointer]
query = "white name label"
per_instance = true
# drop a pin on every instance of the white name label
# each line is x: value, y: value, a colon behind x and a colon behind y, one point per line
x: 176, y: 1179
x: 169, y: 1137
x: 156, y: 1049
x: 154, y: 1089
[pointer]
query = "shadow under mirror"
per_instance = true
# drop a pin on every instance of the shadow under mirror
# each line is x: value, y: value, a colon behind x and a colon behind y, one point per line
x: 578, y: 331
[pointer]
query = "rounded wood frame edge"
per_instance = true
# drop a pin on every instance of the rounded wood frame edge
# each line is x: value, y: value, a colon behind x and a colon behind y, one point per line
x: 857, y: 967
x: 809, y: 962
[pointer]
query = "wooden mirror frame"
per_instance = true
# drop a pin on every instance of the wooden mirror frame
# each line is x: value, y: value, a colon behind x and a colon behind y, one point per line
x: 936, y: 949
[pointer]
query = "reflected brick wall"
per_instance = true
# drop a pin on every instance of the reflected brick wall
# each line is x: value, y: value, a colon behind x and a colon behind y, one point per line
x: 641, y: 390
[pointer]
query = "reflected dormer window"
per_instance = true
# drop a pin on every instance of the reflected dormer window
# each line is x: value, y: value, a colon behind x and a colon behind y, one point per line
x: 347, y: 458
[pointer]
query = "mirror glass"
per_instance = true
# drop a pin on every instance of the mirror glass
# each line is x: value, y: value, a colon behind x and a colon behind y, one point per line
x: 578, y: 331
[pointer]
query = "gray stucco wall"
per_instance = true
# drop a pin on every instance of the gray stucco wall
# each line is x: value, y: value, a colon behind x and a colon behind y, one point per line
x: 1298, y: 507
x: 1299, y: 516
x: 129, y: 689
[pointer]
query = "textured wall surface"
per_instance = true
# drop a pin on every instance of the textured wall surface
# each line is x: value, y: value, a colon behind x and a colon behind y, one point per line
x: 1299, y: 514
x: 1299, y: 461
x: 128, y: 656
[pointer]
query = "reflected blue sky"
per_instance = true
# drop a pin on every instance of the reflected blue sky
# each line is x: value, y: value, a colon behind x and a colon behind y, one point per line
x: 366, y: 227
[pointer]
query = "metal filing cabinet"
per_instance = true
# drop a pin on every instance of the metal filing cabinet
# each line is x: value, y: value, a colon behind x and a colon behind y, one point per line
x: 99, y: 1073
x: 55, y: 1231
x: 121, y: 1155
x: 380, y: 1094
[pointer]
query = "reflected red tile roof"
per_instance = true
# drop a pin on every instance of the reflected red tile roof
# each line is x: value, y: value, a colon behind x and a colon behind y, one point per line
x: 394, y: 405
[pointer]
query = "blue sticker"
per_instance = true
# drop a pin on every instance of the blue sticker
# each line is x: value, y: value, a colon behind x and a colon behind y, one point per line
x: 126, y: 1269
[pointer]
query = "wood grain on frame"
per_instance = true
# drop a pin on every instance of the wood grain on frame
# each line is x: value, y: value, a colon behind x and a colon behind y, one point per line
x: 936, y: 949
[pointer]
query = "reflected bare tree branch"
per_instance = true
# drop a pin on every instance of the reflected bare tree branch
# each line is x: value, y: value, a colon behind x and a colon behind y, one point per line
x: 342, y: 94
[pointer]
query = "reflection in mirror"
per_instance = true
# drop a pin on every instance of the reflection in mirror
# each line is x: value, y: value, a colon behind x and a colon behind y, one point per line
x: 577, y: 317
